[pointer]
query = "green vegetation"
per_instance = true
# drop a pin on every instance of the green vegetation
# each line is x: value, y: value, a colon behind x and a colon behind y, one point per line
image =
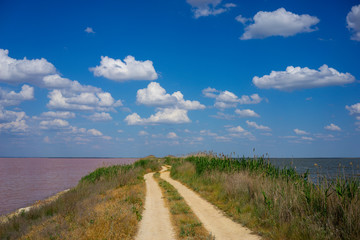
x: 106, y: 204
x: 187, y: 225
x: 278, y: 203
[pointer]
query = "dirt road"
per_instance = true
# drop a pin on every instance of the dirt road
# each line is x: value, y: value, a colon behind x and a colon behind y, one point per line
x: 155, y: 223
x: 214, y: 221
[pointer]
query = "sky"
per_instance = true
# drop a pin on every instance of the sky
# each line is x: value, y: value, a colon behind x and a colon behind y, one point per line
x: 132, y: 78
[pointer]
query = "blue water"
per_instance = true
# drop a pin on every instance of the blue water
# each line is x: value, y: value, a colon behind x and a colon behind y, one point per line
x: 328, y: 167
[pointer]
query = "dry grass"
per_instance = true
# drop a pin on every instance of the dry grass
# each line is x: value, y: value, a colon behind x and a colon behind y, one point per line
x: 106, y: 204
x: 187, y: 225
x: 278, y: 208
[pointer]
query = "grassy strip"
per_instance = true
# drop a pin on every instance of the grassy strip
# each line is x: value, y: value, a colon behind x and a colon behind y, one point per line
x: 279, y: 203
x: 106, y: 204
x: 187, y: 225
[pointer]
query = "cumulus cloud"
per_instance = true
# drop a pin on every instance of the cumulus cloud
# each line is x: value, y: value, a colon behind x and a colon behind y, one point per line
x: 143, y: 133
x: 301, y: 78
x: 242, y: 19
x: 166, y: 115
x: 332, y: 127
x: 94, y: 132
x: 227, y: 99
x: 13, y: 98
x: 11, y: 121
x: 129, y: 69
x: 258, y: 127
x: 240, y: 132
x: 246, y: 113
x: 204, y: 8
x: 353, y: 22
x: 171, y: 135
x: 58, y: 114
x: 237, y: 129
x: 278, y: 23
x: 155, y: 95
x: 103, y: 116
x: 23, y: 70
x: 353, y: 109
x: 55, y: 81
x: 54, y: 124
x: 102, y: 101
x: 89, y: 30
x: 300, y: 132
x: 14, y: 126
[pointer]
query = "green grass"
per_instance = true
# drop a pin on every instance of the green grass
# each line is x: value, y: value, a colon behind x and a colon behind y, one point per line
x: 277, y: 202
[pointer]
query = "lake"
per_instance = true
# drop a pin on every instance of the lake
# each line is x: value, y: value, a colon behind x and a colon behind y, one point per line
x: 23, y: 181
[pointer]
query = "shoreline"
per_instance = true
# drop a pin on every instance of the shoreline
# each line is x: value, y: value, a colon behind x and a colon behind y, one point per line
x: 40, y: 203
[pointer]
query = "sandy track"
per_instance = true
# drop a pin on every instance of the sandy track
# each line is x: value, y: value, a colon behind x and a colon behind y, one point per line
x: 155, y: 223
x: 214, y: 221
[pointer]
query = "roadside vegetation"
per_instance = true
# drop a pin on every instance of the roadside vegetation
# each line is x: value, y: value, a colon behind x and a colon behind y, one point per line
x: 106, y: 204
x: 277, y: 203
x: 187, y: 225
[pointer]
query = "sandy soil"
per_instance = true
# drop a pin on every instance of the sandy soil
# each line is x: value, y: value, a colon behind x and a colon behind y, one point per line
x: 155, y: 223
x: 214, y: 220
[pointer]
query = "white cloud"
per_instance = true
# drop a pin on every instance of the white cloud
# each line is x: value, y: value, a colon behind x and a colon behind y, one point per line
x: 239, y: 132
x: 103, y: 116
x: 64, y: 115
x: 11, y: 121
x: 353, y: 109
x: 120, y: 131
x: 221, y: 115
x: 353, y: 22
x: 94, y: 132
x: 300, y: 132
x: 307, y: 138
x: 85, y: 101
x: 332, y: 127
x: 14, y: 126
x: 204, y: 8
x: 155, y: 95
x: 13, y: 98
x: 130, y: 69
x: 143, y: 133
x: 8, y: 116
x: 246, y: 113
x: 227, y: 99
x: 279, y: 23
x: 301, y: 78
x: 89, y: 30
x: 24, y: 70
x: 237, y: 129
x: 242, y: 19
x: 55, y: 81
x: 166, y: 115
x: 171, y: 135
x: 207, y: 133
x: 258, y: 127
x: 54, y: 124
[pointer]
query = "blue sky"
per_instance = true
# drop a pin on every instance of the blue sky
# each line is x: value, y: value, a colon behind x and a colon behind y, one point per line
x: 132, y: 78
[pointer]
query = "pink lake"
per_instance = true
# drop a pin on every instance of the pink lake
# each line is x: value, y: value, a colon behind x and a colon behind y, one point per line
x: 24, y: 181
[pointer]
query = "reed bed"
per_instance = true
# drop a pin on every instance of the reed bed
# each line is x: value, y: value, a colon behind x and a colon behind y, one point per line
x: 276, y: 202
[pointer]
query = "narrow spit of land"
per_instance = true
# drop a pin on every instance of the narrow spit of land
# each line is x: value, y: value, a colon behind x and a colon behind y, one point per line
x: 214, y: 221
x: 155, y: 223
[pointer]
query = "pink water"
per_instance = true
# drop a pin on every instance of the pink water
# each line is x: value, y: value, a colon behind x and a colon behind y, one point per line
x: 24, y: 181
